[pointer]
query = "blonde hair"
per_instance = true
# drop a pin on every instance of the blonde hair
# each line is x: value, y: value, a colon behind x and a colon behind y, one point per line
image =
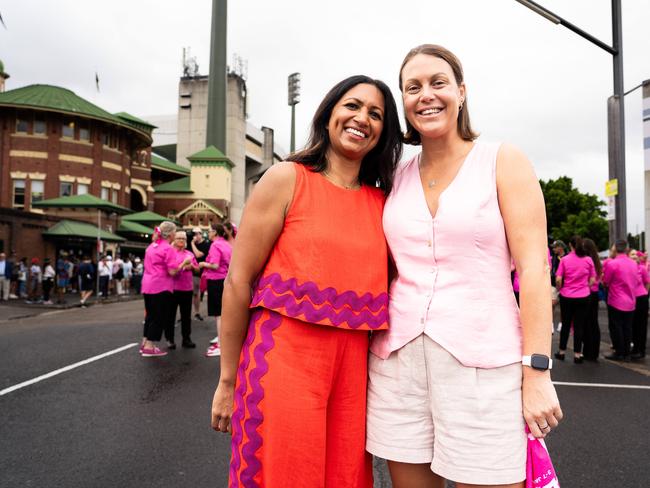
x: 463, y: 124
x: 167, y: 228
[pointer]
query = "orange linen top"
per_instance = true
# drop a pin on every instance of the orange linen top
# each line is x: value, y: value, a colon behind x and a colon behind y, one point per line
x: 329, y: 264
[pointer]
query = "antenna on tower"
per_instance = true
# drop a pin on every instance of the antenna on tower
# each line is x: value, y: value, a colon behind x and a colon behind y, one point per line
x: 190, y: 66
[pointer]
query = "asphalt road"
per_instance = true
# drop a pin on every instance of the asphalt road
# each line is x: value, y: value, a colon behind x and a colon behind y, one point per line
x: 125, y: 421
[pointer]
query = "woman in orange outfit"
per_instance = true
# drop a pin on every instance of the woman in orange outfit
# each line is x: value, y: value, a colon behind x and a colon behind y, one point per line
x: 310, y: 265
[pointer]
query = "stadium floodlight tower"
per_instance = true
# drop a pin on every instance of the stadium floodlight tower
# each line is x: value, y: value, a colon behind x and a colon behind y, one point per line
x: 294, y: 98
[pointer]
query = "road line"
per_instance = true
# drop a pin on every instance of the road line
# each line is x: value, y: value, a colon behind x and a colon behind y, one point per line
x: 603, y: 385
x: 66, y: 368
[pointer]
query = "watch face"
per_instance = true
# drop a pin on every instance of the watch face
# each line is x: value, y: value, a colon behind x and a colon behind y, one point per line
x: 539, y: 361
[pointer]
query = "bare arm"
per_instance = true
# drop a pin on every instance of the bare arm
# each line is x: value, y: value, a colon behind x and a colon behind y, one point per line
x: 524, y: 216
x: 197, y: 253
x: 261, y: 224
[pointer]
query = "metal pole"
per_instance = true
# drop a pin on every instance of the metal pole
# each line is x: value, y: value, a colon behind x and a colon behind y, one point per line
x: 618, y: 136
x: 293, y: 128
x: 216, y: 129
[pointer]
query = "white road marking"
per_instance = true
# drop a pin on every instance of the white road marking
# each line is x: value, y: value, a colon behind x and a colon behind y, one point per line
x: 66, y: 368
x: 603, y: 385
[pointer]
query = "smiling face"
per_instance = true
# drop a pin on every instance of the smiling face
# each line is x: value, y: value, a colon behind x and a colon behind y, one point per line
x: 431, y: 95
x: 180, y: 240
x: 356, y: 122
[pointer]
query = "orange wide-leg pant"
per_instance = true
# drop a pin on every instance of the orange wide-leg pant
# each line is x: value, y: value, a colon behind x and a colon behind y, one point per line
x: 299, y: 417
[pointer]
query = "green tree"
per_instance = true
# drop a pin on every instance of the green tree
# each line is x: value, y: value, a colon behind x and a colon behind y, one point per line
x: 569, y: 212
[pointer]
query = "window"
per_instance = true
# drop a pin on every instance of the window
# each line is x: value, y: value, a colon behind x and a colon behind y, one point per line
x: 65, y: 189
x: 84, y: 133
x: 82, y: 188
x: 114, y: 196
x: 105, y: 138
x: 67, y: 129
x: 40, y: 127
x: 19, y: 194
x: 38, y: 187
x: 104, y: 194
x: 22, y: 125
x: 113, y: 142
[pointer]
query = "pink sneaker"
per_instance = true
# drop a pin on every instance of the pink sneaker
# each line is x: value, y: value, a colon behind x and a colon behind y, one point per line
x: 152, y: 353
x: 213, y: 350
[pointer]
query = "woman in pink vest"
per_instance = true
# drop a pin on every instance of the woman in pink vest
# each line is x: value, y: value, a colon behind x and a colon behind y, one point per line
x: 574, y: 278
x: 445, y: 389
x: 640, y: 325
x: 591, y: 336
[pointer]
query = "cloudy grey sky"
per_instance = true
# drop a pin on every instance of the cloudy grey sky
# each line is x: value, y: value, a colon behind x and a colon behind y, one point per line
x: 531, y: 83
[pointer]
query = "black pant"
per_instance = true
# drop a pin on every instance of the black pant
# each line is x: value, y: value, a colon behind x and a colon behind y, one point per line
x: 48, y: 283
x: 182, y: 300
x: 573, y: 312
x: 620, y: 328
x: 640, y: 325
x: 159, y: 308
x: 103, y: 285
x: 592, y: 329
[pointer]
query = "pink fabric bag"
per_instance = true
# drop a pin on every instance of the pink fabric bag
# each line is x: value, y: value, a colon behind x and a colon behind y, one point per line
x: 539, y: 468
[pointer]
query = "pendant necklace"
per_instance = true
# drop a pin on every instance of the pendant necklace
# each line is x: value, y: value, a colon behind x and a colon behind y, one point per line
x: 431, y: 183
x: 354, y: 186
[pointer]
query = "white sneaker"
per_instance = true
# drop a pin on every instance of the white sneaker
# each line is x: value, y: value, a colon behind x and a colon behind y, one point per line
x: 213, y: 351
x: 214, y: 340
x: 559, y: 326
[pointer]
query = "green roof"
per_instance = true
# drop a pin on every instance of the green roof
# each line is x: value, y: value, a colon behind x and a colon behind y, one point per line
x: 210, y: 155
x: 135, y: 122
x: 57, y: 99
x: 181, y: 185
x: 72, y: 228
x: 146, y: 217
x: 166, y: 165
x: 82, y: 201
x: 127, y: 226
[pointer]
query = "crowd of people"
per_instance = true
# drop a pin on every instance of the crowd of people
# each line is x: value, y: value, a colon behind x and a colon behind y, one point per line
x: 47, y: 281
x: 582, y: 279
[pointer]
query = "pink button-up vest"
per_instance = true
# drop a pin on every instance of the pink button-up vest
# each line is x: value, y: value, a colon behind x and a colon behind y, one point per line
x: 453, y: 279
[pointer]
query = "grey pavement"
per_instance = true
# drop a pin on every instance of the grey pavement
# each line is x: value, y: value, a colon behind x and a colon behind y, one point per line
x: 131, y: 422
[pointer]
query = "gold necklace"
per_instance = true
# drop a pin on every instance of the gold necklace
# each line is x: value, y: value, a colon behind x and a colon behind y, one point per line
x: 355, y: 186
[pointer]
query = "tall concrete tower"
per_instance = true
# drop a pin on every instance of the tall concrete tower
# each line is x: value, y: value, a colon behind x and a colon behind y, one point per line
x: 646, y: 156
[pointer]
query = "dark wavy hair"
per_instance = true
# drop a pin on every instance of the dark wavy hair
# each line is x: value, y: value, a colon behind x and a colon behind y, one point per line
x: 592, y: 251
x: 577, y: 245
x: 463, y: 124
x: 378, y: 166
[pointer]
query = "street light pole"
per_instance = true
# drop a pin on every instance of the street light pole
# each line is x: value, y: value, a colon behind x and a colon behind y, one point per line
x: 294, y: 99
x: 615, y: 107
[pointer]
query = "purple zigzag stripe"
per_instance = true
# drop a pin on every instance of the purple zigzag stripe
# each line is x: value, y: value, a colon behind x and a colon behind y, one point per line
x: 310, y: 289
x: 239, y: 409
x: 255, y: 416
x: 316, y: 315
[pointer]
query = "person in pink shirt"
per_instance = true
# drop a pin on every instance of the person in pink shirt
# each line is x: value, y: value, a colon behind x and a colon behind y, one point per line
x: 215, y: 269
x: 575, y: 276
x: 157, y: 287
x: 621, y: 277
x: 183, y: 290
x: 460, y: 371
x: 640, y: 325
x: 591, y: 336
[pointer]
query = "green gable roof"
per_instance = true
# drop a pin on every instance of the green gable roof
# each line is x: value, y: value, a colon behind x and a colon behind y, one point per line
x: 82, y: 201
x: 146, y: 217
x: 210, y: 156
x: 62, y: 100
x: 181, y: 185
x: 166, y: 165
x: 72, y: 228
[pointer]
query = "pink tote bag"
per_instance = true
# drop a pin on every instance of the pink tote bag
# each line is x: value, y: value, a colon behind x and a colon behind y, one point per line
x: 539, y: 468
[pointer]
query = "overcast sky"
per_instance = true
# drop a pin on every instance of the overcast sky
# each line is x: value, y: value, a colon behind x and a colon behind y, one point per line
x: 530, y: 82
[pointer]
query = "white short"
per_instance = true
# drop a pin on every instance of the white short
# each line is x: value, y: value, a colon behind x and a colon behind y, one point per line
x: 426, y: 407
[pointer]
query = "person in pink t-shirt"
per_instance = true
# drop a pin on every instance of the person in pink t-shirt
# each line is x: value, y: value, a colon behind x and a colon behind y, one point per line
x: 183, y: 289
x: 157, y: 287
x: 574, y: 278
x: 591, y: 336
x: 215, y: 268
x: 621, y: 277
x: 640, y: 325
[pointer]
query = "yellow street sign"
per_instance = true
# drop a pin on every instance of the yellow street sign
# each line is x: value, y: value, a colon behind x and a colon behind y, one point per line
x: 611, y: 188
